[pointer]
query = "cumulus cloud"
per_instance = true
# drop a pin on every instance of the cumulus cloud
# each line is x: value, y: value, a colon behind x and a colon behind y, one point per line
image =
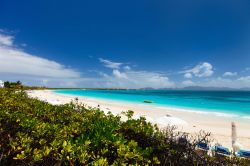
x: 245, y: 79
x: 118, y: 74
x: 188, y: 75
x: 19, y: 64
x: 241, y: 82
x: 110, y: 64
x: 204, y: 69
x: 127, y: 67
x: 188, y: 83
x: 137, y: 79
x: 129, y: 78
x: 6, y: 40
x: 230, y: 74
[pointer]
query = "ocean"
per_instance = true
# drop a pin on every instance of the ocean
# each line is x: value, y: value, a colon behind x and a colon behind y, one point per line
x: 222, y: 103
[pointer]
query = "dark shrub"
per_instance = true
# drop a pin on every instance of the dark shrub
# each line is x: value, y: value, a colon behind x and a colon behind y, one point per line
x: 38, y: 133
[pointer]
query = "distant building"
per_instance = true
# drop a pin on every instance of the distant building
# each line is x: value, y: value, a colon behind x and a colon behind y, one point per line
x: 1, y: 84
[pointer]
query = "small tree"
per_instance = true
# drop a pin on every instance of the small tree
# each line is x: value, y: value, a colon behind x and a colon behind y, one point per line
x: 18, y: 83
x: 14, y: 85
x: 7, y: 84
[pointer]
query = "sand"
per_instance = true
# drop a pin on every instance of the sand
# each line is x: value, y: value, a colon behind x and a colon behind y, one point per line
x: 187, y: 121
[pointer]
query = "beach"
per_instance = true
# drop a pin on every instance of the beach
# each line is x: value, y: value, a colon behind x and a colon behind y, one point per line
x: 187, y: 121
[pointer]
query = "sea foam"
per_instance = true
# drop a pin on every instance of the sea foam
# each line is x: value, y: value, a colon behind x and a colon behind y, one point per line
x: 228, y: 115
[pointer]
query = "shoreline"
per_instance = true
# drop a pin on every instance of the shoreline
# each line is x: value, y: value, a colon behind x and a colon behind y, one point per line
x: 210, y: 112
x: 186, y: 121
x: 220, y: 113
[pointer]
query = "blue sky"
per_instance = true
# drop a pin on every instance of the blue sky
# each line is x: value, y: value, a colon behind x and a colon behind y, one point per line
x: 126, y: 44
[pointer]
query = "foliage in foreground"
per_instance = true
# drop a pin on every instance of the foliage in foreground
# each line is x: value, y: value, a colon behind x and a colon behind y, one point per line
x: 37, y: 133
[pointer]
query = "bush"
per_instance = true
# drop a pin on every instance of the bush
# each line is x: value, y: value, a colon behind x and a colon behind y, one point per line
x: 34, y: 132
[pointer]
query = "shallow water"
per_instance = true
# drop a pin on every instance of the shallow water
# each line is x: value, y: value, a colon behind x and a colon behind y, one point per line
x: 225, y: 102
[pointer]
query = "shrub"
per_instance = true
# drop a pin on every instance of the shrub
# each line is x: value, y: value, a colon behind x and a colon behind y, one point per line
x: 34, y: 132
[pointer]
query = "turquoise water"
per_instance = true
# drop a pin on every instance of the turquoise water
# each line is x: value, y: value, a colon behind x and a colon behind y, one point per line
x: 229, y: 102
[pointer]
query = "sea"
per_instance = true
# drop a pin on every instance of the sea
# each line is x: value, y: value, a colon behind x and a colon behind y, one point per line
x: 221, y: 103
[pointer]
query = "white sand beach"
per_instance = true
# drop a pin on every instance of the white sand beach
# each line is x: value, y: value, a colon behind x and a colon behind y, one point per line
x: 186, y: 121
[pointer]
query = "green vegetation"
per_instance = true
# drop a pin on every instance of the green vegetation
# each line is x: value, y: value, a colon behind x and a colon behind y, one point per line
x: 15, y: 85
x: 37, y: 133
x: 19, y: 85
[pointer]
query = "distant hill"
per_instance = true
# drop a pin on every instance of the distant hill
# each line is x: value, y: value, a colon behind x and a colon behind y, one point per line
x: 200, y: 88
x: 208, y: 88
x: 245, y: 89
x: 147, y: 88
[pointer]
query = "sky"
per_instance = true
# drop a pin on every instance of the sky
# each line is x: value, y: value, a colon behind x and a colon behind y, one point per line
x: 125, y: 44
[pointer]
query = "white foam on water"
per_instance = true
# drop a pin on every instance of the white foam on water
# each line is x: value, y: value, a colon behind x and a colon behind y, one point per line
x: 246, y: 117
x: 221, y: 114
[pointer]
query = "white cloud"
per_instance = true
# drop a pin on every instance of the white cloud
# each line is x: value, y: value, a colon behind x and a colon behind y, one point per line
x: 245, y: 79
x: 127, y: 67
x: 230, y: 74
x: 204, y: 69
x: 6, y: 40
x: 118, y: 74
x: 110, y: 64
x: 188, y: 75
x: 226, y: 82
x: 45, y: 82
x: 16, y: 64
x: 188, y: 83
x: 128, y: 78
x: 19, y: 62
x: 217, y: 82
